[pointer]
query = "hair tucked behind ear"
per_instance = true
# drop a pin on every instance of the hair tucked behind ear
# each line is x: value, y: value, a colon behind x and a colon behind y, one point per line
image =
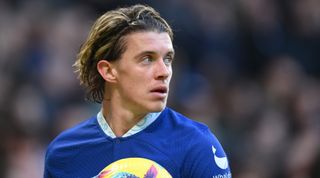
x: 106, y: 42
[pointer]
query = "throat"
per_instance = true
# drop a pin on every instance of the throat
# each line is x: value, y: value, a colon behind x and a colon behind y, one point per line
x: 115, y: 129
x: 121, y: 127
x: 120, y: 130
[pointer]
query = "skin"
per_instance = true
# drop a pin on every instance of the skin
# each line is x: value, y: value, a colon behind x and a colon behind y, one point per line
x: 137, y: 83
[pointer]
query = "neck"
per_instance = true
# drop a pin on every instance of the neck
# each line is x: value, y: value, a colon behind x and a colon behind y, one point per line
x: 120, y: 119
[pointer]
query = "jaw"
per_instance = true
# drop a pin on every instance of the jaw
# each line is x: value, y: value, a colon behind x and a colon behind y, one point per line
x: 159, y: 107
x: 155, y: 105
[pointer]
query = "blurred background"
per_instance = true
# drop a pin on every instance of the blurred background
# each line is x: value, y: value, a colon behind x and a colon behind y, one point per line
x: 249, y: 69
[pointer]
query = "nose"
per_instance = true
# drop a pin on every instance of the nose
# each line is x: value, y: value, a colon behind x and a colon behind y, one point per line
x: 163, y: 70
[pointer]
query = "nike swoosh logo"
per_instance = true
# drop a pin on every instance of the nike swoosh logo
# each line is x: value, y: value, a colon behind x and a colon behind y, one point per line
x: 221, y: 162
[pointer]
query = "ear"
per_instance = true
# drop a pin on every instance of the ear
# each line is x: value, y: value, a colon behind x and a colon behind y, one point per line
x: 106, y: 70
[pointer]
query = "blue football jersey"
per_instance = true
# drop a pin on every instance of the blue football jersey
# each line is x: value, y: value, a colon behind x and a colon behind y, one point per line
x: 171, y: 146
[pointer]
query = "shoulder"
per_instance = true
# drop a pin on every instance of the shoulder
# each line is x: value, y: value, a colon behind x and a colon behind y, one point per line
x: 76, y: 132
x: 192, y: 133
x: 204, y: 154
x: 187, y: 125
x: 69, y: 141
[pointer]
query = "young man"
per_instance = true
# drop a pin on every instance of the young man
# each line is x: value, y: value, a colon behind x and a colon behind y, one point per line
x: 126, y: 64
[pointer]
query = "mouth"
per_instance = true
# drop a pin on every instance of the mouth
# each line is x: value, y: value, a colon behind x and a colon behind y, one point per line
x: 161, y: 90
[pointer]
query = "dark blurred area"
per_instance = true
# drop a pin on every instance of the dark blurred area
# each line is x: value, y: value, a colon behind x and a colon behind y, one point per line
x: 248, y: 68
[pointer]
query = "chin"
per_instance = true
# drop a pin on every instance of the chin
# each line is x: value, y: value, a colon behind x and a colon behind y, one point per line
x: 156, y: 107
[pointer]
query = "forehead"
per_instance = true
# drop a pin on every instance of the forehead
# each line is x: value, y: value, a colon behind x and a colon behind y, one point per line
x: 148, y: 41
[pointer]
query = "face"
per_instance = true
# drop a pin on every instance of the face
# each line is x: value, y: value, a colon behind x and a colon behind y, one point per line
x: 144, y: 71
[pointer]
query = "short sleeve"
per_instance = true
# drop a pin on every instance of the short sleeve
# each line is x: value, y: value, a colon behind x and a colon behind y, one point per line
x: 205, y: 157
x: 46, y: 173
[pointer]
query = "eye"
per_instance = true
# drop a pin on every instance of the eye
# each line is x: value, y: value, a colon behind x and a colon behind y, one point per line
x: 147, y: 59
x: 168, y: 60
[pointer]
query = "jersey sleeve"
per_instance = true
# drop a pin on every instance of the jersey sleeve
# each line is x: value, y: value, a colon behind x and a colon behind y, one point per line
x: 205, y: 157
x: 46, y: 173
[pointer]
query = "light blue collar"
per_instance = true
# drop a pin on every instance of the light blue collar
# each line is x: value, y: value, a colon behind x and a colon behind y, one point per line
x: 145, y: 122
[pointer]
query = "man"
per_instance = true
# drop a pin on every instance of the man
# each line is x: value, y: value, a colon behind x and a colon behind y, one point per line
x: 126, y: 65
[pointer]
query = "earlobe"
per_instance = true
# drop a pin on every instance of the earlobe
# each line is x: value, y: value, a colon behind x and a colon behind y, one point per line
x: 106, y: 71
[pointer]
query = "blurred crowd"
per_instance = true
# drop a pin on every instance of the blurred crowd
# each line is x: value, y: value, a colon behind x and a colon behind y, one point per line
x: 249, y: 69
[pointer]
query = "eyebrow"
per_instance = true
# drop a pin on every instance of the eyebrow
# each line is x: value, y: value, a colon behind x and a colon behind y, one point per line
x: 171, y: 52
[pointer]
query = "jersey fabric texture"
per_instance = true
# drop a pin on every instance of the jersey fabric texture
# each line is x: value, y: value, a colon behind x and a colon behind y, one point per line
x: 181, y: 146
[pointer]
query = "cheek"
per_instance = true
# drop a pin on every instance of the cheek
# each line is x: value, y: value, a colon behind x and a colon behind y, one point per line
x: 134, y: 90
x: 134, y: 83
x: 170, y: 75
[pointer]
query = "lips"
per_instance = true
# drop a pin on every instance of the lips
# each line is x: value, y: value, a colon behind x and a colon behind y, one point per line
x: 160, y: 90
